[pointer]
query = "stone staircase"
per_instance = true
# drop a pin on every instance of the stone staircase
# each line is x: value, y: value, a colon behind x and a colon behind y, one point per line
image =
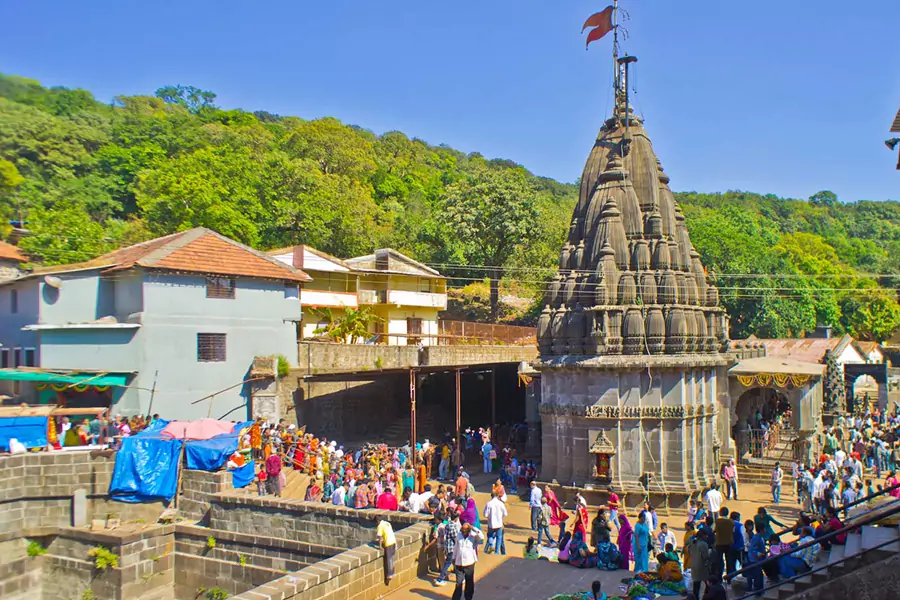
x: 813, y: 584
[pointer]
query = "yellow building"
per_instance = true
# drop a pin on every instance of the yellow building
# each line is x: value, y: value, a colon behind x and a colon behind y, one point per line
x: 404, y: 294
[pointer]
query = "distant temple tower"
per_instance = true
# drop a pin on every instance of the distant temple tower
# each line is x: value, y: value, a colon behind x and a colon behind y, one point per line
x: 632, y: 333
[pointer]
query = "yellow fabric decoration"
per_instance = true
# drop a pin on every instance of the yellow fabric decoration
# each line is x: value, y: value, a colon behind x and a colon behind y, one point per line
x: 799, y: 380
x: 781, y: 379
x: 746, y: 380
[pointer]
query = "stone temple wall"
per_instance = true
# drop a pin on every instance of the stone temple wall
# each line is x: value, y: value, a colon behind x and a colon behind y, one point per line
x: 659, y: 418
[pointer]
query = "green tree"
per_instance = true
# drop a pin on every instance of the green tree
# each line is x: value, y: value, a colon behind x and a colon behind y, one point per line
x: 493, y: 212
x: 211, y: 187
x: 64, y: 234
x: 193, y: 99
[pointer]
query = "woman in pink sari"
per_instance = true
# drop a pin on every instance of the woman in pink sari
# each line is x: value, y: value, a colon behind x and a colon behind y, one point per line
x: 558, y: 516
x: 624, y: 542
x: 890, y: 482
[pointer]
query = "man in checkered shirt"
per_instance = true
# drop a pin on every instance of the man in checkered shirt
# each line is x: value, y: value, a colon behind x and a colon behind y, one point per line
x: 451, y: 532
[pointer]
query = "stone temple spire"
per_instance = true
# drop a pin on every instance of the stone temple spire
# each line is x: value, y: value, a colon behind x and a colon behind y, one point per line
x: 630, y: 281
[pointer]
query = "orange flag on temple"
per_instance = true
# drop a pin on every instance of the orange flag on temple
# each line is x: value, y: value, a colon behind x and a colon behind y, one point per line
x: 601, y: 23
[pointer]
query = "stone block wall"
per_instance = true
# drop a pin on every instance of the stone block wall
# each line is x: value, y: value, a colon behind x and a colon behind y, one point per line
x: 356, y: 574
x: 145, y: 571
x: 257, y: 550
x: 36, y: 490
x: 309, y: 522
x: 197, y: 488
x: 21, y: 578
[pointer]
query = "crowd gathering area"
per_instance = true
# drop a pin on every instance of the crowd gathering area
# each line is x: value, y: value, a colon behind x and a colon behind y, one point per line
x: 699, y: 552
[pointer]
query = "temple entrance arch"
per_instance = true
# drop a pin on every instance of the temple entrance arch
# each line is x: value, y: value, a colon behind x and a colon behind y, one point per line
x: 856, y: 376
x: 773, y: 385
x: 756, y: 413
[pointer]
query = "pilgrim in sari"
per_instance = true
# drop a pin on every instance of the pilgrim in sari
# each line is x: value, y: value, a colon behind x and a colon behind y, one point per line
x: 626, y: 535
x: 470, y: 515
x: 420, y: 480
x: 642, y: 544
x: 669, y: 567
x: 313, y: 492
x: 581, y: 520
x: 580, y: 555
x: 558, y: 516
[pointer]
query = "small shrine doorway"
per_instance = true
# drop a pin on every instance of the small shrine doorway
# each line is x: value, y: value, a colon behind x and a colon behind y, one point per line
x: 602, y: 450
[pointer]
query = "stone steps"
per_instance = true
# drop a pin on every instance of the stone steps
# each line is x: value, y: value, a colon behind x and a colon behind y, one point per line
x: 837, y: 564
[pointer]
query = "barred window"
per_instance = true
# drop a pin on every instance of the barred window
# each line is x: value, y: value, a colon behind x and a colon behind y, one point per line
x: 211, y: 347
x: 219, y: 287
x: 29, y: 357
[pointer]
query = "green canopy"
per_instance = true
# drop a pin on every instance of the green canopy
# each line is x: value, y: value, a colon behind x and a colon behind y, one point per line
x: 73, y: 377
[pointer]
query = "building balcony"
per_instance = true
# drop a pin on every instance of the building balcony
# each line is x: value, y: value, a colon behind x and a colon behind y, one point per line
x: 421, y: 299
x: 372, y: 296
x: 322, y: 299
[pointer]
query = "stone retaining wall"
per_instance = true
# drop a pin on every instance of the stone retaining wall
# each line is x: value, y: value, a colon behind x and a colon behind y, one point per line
x: 356, y: 574
x: 197, y: 490
x: 38, y: 490
x: 277, y: 554
x: 309, y: 522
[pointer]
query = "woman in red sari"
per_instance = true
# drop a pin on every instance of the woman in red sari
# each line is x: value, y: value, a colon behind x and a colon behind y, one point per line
x: 581, y: 520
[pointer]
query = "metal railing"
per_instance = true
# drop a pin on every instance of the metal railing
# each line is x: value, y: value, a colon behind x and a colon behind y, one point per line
x: 467, y: 332
x: 866, y: 520
x: 799, y: 576
x: 845, y: 507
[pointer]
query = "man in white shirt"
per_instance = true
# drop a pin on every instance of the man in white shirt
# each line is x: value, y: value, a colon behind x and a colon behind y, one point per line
x: 415, y: 503
x: 494, y: 512
x: 340, y: 495
x: 534, y: 502
x: 425, y: 496
x: 665, y: 537
x: 464, y: 559
x: 714, y: 499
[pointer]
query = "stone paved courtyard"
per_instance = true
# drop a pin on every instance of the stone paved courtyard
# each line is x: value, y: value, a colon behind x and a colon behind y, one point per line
x: 511, y: 576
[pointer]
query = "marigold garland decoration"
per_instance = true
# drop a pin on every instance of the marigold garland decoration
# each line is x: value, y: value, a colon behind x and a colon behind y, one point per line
x: 780, y: 379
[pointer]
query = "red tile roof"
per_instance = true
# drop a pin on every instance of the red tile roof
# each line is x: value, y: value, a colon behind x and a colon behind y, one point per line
x: 10, y: 252
x: 197, y: 250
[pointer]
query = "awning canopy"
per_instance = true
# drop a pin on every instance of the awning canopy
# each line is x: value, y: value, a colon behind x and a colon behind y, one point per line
x: 776, y: 365
x: 79, y: 378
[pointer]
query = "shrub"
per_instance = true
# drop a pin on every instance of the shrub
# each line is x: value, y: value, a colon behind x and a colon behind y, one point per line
x: 216, y: 593
x: 103, y: 558
x: 284, y: 367
x: 35, y: 549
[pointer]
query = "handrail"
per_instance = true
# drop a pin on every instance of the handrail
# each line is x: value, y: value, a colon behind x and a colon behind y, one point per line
x: 828, y: 536
x: 849, y: 505
x: 780, y: 582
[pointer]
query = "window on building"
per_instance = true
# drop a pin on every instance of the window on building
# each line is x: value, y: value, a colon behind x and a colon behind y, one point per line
x: 413, y: 331
x: 4, y: 358
x: 17, y: 357
x: 219, y: 287
x: 30, y: 357
x: 14, y: 301
x: 211, y: 347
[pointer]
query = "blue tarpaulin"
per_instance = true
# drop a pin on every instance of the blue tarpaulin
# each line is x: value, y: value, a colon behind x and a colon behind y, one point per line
x: 146, y: 469
x: 209, y: 455
x: 243, y: 476
x: 147, y: 463
x: 30, y: 431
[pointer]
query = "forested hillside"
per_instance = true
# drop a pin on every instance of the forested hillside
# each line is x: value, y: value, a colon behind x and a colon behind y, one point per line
x: 86, y: 177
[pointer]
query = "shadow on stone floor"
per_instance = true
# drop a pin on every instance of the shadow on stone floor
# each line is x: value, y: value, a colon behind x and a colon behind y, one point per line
x: 520, y: 579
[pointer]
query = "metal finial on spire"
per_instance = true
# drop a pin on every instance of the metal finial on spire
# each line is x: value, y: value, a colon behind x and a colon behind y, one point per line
x: 623, y: 64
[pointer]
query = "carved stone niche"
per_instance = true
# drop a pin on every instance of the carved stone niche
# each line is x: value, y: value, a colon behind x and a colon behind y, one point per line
x: 602, y: 450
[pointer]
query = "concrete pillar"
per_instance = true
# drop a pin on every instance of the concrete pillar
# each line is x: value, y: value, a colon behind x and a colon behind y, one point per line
x: 79, y: 508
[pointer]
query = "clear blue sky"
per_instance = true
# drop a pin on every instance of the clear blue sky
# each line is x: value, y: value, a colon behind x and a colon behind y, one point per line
x: 779, y: 97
